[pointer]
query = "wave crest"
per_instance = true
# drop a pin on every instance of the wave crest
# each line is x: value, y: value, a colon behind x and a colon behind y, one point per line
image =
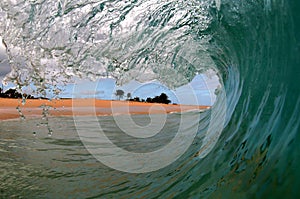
x: 50, y: 42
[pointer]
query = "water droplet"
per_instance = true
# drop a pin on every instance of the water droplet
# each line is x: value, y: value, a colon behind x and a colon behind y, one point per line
x: 50, y: 133
x: 23, y: 101
x: 20, y: 113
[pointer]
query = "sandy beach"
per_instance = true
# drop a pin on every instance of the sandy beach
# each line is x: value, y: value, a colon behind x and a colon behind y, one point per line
x: 13, y: 108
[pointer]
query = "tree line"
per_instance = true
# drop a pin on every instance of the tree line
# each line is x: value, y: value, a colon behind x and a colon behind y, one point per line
x: 13, y: 93
x: 162, y: 98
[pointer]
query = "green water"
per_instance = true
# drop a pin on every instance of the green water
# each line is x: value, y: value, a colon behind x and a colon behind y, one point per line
x: 253, y: 45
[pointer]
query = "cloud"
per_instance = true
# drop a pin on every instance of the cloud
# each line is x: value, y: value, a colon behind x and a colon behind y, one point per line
x: 4, y: 69
x: 102, y: 88
x: 91, y: 92
x: 4, y: 65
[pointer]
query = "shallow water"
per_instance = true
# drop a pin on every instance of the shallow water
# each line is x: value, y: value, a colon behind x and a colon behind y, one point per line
x: 34, y: 164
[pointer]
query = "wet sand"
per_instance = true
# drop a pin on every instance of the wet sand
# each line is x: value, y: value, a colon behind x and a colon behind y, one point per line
x: 13, y: 108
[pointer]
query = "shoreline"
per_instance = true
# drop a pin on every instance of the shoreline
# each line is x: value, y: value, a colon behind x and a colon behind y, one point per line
x: 85, y: 107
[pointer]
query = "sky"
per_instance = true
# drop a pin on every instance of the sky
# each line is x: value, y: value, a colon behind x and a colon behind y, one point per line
x: 199, y: 91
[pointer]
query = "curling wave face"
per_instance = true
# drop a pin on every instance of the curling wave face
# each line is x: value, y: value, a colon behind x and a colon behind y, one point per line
x: 252, y: 45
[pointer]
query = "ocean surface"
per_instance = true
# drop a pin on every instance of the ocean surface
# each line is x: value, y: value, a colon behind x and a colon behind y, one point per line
x: 246, y: 146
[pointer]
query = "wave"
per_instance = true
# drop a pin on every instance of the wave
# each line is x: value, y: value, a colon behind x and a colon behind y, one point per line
x: 252, y: 46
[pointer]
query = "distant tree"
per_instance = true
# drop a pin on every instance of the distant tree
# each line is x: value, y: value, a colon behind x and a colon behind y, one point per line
x: 149, y: 100
x: 1, y: 94
x: 12, y: 93
x: 26, y: 96
x: 163, y: 99
x: 155, y: 99
x: 119, y: 93
x: 136, y: 99
x: 128, y: 96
